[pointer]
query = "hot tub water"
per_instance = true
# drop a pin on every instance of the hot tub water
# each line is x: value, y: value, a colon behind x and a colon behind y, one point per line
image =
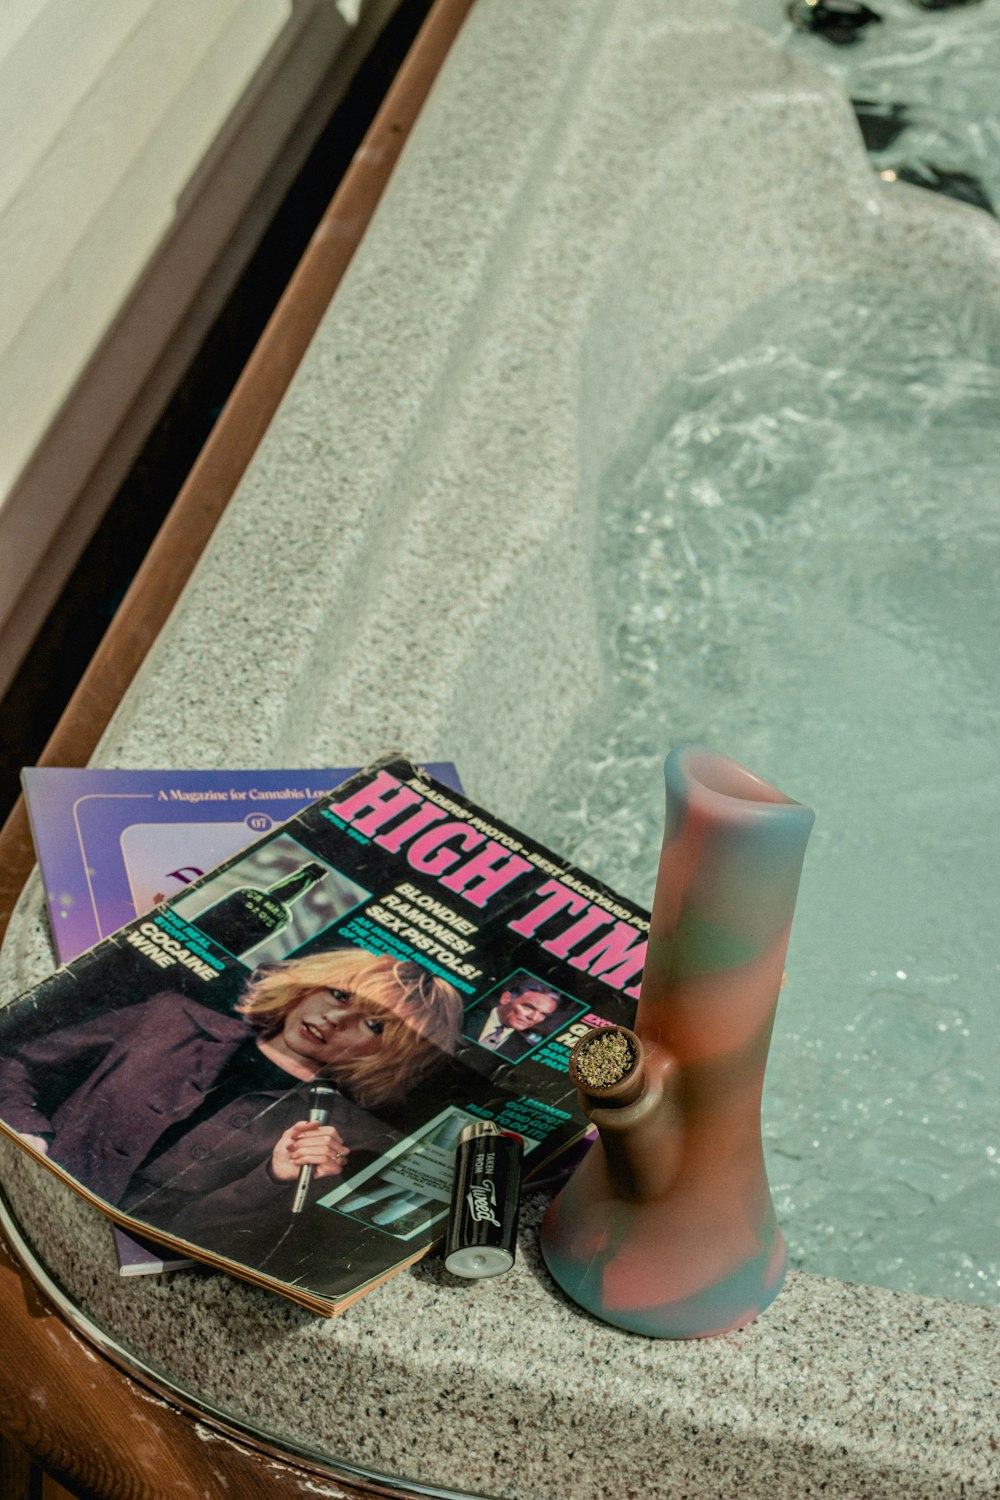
x: 800, y: 547
x: 931, y: 74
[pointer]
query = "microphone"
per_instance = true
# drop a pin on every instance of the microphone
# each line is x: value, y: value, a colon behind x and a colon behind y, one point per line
x: 321, y: 1096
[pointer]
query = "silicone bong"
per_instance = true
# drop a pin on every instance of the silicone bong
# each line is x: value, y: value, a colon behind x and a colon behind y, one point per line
x: 667, y: 1226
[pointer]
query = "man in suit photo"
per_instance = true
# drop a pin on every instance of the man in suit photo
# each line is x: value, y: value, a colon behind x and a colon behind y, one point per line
x: 512, y: 1022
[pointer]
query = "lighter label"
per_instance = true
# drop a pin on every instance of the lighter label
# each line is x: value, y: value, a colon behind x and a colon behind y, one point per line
x: 482, y: 1203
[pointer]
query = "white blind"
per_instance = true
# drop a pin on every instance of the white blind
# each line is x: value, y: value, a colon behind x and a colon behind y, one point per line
x: 107, y: 110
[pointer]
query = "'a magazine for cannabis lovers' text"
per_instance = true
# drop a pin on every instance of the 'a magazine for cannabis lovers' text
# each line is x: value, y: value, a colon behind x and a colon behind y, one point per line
x: 270, y: 1071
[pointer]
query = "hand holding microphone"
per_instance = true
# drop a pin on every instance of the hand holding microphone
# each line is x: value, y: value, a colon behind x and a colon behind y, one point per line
x: 311, y: 1147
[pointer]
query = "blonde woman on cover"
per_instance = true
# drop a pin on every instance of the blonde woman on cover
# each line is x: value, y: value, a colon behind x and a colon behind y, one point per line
x: 195, y: 1121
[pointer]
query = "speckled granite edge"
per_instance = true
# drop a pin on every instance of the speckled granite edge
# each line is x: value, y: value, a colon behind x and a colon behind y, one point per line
x: 502, y: 1388
x: 591, y: 193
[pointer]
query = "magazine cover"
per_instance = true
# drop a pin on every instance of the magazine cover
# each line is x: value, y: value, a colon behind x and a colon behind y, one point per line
x: 113, y: 843
x: 274, y: 1085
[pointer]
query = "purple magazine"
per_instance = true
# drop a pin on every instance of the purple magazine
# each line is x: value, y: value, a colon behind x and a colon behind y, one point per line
x: 112, y: 844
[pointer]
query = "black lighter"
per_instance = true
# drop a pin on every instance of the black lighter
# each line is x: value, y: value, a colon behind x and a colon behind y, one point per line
x: 482, y: 1230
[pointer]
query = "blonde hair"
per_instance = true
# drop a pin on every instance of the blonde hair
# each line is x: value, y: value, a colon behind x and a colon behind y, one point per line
x: 421, y: 1013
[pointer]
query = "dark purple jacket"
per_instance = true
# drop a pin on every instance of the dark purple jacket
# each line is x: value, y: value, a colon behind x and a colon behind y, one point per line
x: 106, y: 1090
